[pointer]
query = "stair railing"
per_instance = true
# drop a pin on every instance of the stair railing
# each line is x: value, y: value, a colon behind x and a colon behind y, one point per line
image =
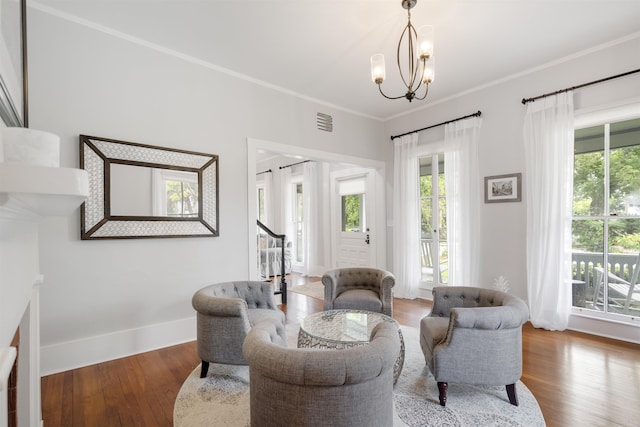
x: 283, y: 282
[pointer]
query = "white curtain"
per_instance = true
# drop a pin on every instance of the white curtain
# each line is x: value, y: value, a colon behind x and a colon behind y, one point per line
x: 548, y: 140
x: 463, y: 189
x: 311, y: 221
x: 406, y: 217
x: 287, y: 204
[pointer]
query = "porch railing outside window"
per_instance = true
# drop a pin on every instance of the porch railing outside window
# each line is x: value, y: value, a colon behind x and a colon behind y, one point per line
x: 588, y: 282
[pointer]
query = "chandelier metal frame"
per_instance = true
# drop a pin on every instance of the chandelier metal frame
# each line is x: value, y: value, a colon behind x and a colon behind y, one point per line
x: 417, y: 57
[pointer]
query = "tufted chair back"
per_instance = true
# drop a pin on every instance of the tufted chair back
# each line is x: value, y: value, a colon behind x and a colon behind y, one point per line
x: 319, y: 387
x: 255, y: 294
x: 474, y: 335
x: 225, y: 314
x: 359, y: 288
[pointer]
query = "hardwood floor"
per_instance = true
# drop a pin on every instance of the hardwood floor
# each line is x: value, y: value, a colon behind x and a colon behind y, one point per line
x: 578, y: 379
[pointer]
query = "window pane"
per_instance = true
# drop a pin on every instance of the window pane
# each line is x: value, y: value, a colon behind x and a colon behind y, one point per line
x: 299, y: 203
x: 299, y: 243
x: 425, y: 218
x: 425, y: 177
x: 182, y: 198
x: 442, y: 220
x: 426, y: 260
x: 261, y: 204
x: 444, y: 262
x: 588, y: 176
x: 624, y: 169
x: 588, y: 259
x: 352, y: 212
x: 425, y: 185
x: 441, y: 179
x: 624, y: 247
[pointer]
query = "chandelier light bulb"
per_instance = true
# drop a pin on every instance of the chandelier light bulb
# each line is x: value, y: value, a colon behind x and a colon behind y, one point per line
x: 425, y: 41
x: 429, y: 71
x: 377, y: 68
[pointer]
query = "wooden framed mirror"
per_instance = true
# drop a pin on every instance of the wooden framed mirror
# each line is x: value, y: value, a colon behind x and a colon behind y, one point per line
x: 139, y: 191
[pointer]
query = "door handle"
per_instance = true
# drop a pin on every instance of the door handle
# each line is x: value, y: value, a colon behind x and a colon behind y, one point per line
x: 366, y: 239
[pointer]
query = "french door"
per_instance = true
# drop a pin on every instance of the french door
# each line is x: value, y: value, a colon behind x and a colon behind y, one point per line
x: 434, y: 261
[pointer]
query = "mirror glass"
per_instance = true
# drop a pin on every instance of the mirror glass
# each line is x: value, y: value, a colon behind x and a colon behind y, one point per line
x: 143, y: 191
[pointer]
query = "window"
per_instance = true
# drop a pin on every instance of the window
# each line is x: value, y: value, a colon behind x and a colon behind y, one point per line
x: 262, y: 217
x: 606, y: 217
x: 298, y: 222
x: 433, y: 222
x: 353, y: 213
x: 175, y: 193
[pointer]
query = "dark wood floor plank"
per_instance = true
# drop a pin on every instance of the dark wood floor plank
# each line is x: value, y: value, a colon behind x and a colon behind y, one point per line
x: 578, y: 379
x: 88, y: 398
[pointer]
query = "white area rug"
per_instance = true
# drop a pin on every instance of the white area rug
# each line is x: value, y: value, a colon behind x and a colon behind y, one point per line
x: 222, y: 398
x: 313, y: 290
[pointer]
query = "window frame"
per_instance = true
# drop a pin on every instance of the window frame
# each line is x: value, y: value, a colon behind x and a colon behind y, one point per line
x: 605, y: 116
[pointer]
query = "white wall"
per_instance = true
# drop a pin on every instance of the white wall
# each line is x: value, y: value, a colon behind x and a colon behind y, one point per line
x: 501, y: 145
x: 106, y: 299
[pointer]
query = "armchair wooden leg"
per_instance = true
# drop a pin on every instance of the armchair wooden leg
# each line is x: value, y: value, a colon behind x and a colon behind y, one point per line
x: 513, y: 396
x: 442, y: 389
x: 204, y: 369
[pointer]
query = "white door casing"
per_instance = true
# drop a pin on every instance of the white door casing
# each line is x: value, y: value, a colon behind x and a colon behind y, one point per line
x: 378, y: 223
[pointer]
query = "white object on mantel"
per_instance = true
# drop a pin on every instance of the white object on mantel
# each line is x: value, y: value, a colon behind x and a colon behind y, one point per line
x: 30, y: 146
x: 501, y: 284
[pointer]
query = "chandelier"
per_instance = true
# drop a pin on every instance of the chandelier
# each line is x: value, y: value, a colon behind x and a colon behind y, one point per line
x: 418, y: 63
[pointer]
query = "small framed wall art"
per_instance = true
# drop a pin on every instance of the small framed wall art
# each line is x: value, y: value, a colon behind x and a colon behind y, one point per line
x: 503, y: 188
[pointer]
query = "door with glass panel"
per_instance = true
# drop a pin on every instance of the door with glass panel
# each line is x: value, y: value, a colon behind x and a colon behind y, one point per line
x: 434, y: 260
x: 606, y: 218
x: 352, y: 218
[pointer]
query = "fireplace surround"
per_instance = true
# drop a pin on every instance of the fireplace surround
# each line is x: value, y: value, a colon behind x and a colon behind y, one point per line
x: 27, y: 194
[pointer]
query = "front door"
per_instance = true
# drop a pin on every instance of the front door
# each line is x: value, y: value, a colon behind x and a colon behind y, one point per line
x: 352, y: 222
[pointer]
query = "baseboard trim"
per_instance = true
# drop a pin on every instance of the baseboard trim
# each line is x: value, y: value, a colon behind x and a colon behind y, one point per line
x: 605, y: 328
x: 75, y: 354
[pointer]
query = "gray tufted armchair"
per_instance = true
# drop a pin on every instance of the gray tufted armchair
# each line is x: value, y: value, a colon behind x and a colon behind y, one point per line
x: 314, y: 387
x: 474, y: 335
x: 359, y: 288
x: 226, y: 313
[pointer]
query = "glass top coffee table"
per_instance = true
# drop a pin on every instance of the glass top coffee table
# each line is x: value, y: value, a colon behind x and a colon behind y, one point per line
x: 340, y: 329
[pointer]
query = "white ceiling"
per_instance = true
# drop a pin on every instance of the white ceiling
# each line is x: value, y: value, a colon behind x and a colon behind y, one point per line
x: 320, y: 49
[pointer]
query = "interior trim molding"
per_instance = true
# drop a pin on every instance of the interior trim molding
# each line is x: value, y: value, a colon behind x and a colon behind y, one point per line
x: 602, y: 327
x: 87, y: 351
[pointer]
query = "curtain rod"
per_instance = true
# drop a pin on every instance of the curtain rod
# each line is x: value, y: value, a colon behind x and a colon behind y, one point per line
x: 476, y: 114
x: 527, y: 100
x: 293, y: 164
x: 267, y: 171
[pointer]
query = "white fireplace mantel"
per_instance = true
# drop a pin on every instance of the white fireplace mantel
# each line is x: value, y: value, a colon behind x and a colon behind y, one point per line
x: 30, y: 192
x: 27, y: 194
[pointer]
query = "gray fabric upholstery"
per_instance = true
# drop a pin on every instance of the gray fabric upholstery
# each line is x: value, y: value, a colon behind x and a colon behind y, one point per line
x: 359, y: 288
x: 226, y: 312
x: 474, y: 335
x: 311, y: 387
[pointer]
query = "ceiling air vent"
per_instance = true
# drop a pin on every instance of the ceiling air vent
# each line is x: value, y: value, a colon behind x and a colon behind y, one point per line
x: 324, y: 122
